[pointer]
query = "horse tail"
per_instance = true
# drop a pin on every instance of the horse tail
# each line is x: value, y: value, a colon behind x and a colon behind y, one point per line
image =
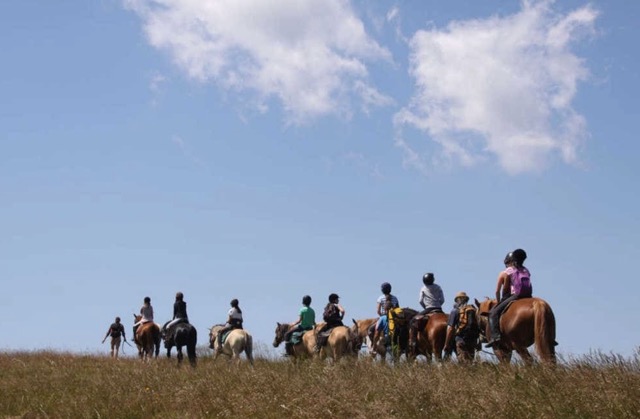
x: 249, y: 348
x: 544, y: 330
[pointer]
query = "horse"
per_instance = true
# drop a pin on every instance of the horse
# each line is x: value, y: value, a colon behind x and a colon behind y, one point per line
x: 399, y: 338
x: 237, y: 341
x: 427, y: 336
x: 361, y: 328
x: 304, y: 349
x: 525, y: 322
x: 181, y: 334
x: 341, y: 342
x: 147, y: 338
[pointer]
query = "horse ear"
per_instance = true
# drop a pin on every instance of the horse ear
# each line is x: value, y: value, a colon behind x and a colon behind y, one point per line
x: 278, y: 323
x: 477, y: 302
x: 354, y: 322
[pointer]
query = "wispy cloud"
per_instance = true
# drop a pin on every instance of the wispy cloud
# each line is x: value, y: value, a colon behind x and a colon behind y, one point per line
x: 500, y: 88
x: 312, y: 56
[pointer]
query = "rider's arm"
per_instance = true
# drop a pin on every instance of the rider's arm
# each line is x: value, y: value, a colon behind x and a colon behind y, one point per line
x: 421, y: 300
x: 502, y: 282
x: 341, y: 310
x: 378, y: 309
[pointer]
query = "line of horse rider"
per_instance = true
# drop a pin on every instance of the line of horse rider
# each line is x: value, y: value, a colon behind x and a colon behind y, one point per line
x: 513, y: 321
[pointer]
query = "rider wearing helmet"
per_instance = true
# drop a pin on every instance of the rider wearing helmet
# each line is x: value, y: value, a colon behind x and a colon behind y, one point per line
x: 333, y: 314
x: 234, y: 321
x: 179, y: 312
x: 513, y: 283
x: 431, y: 295
x: 385, y: 302
x: 306, y: 321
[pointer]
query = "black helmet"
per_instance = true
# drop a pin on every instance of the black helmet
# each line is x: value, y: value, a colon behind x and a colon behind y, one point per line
x: 333, y: 297
x: 234, y: 302
x: 306, y: 300
x: 147, y: 300
x: 428, y: 278
x: 519, y: 255
x: 385, y: 288
x: 508, y: 260
x: 179, y: 296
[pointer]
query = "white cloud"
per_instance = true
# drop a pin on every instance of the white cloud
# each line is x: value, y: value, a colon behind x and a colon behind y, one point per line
x: 501, y: 87
x: 311, y: 55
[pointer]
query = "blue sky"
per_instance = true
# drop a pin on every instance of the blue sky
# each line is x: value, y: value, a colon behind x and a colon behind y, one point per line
x: 267, y: 150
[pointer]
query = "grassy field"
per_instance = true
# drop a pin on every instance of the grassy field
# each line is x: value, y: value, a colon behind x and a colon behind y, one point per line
x: 49, y: 384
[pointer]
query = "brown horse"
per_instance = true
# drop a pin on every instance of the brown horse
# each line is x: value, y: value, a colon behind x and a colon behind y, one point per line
x: 525, y: 322
x: 304, y: 349
x: 237, y: 341
x: 427, y: 336
x: 361, y: 328
x: 147, y: 338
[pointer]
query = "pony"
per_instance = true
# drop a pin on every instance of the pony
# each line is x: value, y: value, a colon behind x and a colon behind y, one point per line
x: 237, y: 341
x: 302, y: 350
x: 525, y: 322
x: 147, y: 338
x: 399, y: 338
x: 427, y: 336
x: 341, y: 343
x: 181, y: 334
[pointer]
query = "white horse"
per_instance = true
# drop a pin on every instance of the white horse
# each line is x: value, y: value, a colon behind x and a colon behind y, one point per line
x: 237, y: 341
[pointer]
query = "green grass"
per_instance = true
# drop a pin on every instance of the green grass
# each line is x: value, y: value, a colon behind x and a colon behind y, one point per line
x: 49, y: 384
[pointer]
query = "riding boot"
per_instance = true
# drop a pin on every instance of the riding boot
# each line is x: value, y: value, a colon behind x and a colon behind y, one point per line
x: 288, y: 347
x: 494, y: 332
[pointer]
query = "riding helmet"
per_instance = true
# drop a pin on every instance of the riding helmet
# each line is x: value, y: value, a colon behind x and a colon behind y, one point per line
x: 508, y: 259
x: 385, y: 288
x: 519, y: 255
x: 333, y: 298
x: 306, y: 300
x: 428, y: 278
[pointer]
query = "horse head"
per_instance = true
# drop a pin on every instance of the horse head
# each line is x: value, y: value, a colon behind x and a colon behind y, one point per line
x: 213, y: 334
x: 281, y: 331
x: 355, y: 340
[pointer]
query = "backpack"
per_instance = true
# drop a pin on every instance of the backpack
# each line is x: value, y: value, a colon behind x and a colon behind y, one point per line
x: 116, y: 330
x: 397, y: 319
x: 521, y: 283
x: 468, y: 322
x: 331, y: 313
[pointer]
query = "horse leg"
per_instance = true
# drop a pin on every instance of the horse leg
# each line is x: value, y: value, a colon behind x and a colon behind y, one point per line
x: 525, y: 355
x: 180, y: 356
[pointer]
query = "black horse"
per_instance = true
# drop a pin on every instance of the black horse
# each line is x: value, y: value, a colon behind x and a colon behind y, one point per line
x: 179, y: 335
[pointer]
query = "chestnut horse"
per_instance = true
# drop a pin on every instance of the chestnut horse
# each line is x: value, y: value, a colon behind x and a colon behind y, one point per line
x: 525, y: 322
x: 361, y: 328
x: 304, y: 349
x: 427, y: 336
x: 147, y: 338
x: 237, y: 341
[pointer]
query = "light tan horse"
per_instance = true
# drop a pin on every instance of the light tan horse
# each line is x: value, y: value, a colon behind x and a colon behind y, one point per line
x: 304, y: 349
x: 147, y: 339
x: 427, y: 336
x: 237, y: 341
x: 341, y: 343
x: 525, y: 322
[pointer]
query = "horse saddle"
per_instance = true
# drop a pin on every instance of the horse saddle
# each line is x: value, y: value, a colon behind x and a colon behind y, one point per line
x: 323, y: 337
x: 225, y: 335
x: 296, y: 337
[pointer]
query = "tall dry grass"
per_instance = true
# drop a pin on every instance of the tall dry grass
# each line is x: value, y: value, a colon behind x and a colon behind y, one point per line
x: 48, y: 384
